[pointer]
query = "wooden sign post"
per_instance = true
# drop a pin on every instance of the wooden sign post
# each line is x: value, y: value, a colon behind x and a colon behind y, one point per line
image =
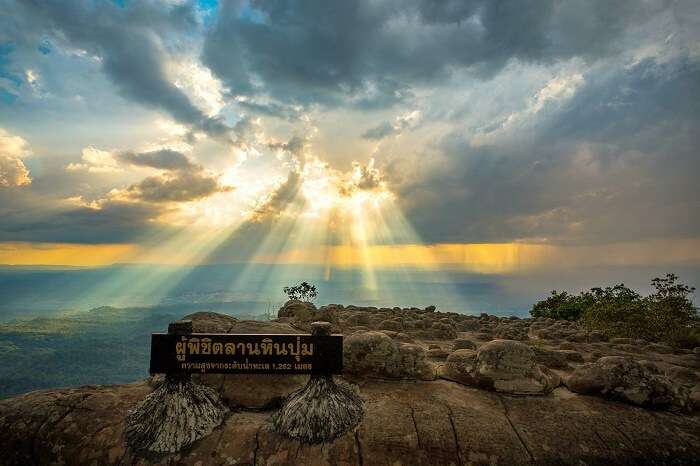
x: 246, y: 354
x: 321, y: 411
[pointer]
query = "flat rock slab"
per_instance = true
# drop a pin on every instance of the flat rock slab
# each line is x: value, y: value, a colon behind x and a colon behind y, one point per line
x: 406, y: 423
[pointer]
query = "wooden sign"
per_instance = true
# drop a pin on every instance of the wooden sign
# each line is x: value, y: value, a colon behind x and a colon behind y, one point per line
x: 246, y: 354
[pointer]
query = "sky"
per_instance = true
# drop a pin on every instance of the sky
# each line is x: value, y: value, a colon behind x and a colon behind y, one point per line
x: 477, y: 135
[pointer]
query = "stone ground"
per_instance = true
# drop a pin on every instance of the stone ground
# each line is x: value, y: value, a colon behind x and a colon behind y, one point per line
x: 592, y: 401
x: 406, y: 422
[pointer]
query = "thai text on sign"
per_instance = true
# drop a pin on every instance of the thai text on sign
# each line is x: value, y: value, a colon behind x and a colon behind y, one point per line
x: 246, y: 353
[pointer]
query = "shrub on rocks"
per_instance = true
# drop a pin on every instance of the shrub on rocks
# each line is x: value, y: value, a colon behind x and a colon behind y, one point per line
x: 627, y: 380
x: 668, y: 314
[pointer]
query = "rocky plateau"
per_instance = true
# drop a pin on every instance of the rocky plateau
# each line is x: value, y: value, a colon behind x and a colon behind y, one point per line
x: 438, y: 388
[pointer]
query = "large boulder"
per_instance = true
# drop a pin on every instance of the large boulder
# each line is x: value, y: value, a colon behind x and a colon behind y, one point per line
x: 511, y: 331
x: 443, y: 331
x: 211, y: 322
x: 459, y: 367
x: 509, y: 366
x: 550, y: 358
x: 301, y: 314
x: 376, y: 354
x: 625, y: 379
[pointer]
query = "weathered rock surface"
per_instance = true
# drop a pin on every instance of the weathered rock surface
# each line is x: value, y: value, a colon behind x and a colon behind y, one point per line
x: 463, y: 343
x: 211, y: 322
x: 623, y: 378
x: 411, y: 418
x: 410, y: 423
x: 376, y: 354
x: 459, y: 367
x: 509, y: 366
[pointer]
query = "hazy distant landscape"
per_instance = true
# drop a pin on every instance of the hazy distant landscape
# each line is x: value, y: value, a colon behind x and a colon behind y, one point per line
x: 61, y: 326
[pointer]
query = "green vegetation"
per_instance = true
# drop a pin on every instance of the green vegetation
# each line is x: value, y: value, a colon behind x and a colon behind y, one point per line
x: 303, y: 292
x: 667, y: 315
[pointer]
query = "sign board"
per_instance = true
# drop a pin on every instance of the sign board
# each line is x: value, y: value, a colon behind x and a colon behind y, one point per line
x: 215, y: 353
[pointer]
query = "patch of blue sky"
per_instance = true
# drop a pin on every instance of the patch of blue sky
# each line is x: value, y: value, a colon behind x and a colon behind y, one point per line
x: 7, y: 98
x: 209, y: 5
x: 207, y: 10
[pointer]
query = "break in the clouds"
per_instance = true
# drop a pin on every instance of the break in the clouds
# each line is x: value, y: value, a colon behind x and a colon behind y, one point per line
x: 488, y: 121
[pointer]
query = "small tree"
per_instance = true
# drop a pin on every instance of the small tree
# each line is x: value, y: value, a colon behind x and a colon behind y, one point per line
x: 563, y: 305
x: 616, y: 311
x: 302, y: 292
x: 671, y: 315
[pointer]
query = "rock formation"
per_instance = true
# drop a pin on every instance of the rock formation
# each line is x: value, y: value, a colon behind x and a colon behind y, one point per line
x: 613, y: 406
x: 631, y: 381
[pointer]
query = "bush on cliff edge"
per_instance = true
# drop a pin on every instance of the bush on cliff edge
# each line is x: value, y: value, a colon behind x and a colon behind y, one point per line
x: 668, y: 314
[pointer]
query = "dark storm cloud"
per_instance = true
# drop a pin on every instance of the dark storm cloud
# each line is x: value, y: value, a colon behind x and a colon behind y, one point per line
x: 164, y: 159
x: 368, y: 53
x: 178, y: 186
x: 619, y: 160
x: 130, y: 43
x: 28, y: 217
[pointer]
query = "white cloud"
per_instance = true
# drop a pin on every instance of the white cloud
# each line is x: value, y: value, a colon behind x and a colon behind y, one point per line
x: 95, y: 161
x: 199, y: 84
x: 13, y: 172
x: 13, y: 146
